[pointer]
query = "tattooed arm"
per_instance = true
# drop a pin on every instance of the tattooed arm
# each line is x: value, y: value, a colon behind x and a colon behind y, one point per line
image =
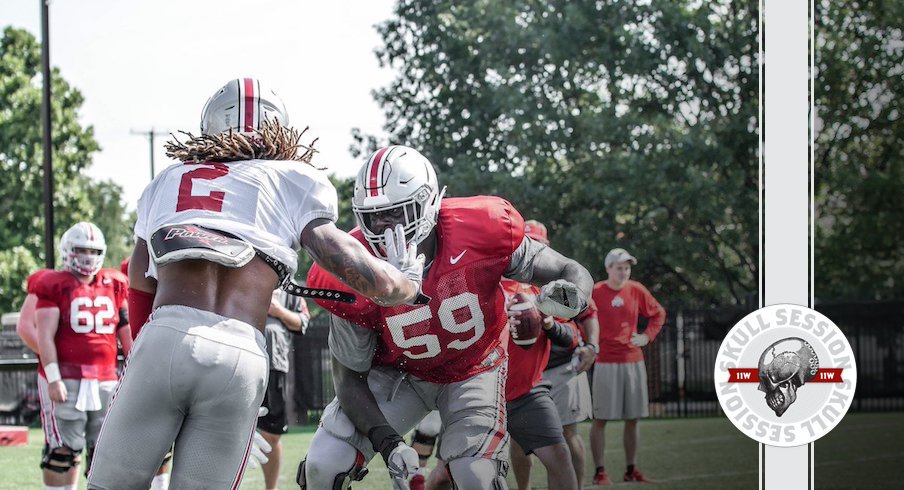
x: 344, y: 257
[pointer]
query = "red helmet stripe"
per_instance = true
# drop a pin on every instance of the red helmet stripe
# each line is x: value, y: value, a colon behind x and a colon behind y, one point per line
x: 250, y: 96
x: 375, y: 165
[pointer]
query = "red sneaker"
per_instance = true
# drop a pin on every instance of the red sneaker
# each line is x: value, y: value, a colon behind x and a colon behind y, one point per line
x: 417, y: 482
x: 637, y: 476
x: 601, y: 478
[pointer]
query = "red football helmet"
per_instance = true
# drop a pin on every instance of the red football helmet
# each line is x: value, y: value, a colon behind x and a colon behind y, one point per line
x: 83, y: 236
x: 242, y: 105
x: 397, y: 177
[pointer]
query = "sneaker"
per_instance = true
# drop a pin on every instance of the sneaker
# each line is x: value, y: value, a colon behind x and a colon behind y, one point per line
x: 417, y: 482
x: 637, y: 476
x: 601, y: 478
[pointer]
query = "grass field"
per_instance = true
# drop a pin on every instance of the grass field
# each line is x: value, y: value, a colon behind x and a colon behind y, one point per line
x: 864, y: 451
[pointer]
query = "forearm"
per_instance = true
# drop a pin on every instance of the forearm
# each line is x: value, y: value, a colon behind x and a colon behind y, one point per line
x: 47, y: 321
x: 124, y: 334
x: 549, y: 265
x: 591, y: 328
x: 560, y: 334
x: 346, y: 259
x: 356, y: 399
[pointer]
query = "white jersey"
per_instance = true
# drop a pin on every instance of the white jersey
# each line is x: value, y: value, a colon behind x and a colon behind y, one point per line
x: 265, y: 202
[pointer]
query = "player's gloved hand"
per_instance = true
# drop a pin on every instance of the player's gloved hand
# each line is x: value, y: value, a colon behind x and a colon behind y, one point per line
x: 401, y: 460
x: 260, y: 448
x: 405, y: 258
x: 639, y: 340
x: 561, y: 299
x: 402, y: 464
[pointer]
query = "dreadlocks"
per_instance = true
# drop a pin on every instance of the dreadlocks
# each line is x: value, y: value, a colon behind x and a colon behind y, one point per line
x: 272, y: 142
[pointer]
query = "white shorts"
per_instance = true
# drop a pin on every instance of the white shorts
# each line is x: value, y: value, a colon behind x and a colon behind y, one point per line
x: 620, y: 391
x: 193, y: 377
x: 472, y: 412
x: 65, y: 425
x: 570, y: 393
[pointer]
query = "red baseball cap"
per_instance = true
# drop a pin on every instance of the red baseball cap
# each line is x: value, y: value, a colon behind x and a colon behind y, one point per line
x: 536, y: 230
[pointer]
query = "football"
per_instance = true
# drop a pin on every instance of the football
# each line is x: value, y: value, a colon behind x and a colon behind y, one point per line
x: 530, y: 320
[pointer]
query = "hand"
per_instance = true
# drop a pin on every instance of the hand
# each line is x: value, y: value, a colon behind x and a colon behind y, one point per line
x: 586, y: 358
x: 403, y: 256
x: 402, y: 464
x: 260, y: 448
x: 275, y: 309
x: 561, y: 299
x: 57, y: 391
x: 639, y: 340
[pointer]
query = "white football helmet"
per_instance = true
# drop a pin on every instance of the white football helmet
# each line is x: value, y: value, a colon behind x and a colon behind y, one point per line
x: 242, y: 105
x: 397, y: 177
x: 83, y: 235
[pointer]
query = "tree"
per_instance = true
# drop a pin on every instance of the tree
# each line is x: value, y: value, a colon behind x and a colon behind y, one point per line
x: 859, y: 83
x: 616, y: 123
x: 76, y: 197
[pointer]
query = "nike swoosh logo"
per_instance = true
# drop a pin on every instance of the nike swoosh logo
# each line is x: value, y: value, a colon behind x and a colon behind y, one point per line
x: 454, y: 260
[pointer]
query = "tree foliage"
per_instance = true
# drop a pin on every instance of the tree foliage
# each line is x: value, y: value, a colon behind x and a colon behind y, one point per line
x: 76, y: 197
x: 859, y: 155
x: 627, y: 124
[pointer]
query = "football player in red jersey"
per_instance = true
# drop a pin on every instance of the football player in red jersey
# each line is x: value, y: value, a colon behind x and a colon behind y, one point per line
x: 392, y: 365
x: 80, y: 314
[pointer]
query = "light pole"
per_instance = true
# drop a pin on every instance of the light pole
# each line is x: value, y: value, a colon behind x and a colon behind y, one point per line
x: 48, y: 149
x: 150, y: 134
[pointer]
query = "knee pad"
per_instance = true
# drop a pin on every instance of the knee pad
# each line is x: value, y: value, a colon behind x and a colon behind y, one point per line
x: 343, y: 481
x: 58, y: 460
x: 490, y: 476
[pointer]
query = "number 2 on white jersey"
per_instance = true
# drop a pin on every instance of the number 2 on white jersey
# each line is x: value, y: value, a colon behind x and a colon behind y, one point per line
x: 83, y: 321
x: 445, y: 312
x: 210, y: 202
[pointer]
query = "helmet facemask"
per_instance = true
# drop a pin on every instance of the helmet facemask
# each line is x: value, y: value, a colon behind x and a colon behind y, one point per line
x: 83, y: 236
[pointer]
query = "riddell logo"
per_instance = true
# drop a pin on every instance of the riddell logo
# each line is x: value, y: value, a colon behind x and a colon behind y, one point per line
x: 785, y: 375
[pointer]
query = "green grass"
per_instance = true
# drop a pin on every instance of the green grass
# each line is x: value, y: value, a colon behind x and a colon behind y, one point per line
x: 864, y: 451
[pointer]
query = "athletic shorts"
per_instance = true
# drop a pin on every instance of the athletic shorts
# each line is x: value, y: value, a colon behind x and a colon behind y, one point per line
x: 570, y: 393
x: 533, y: 420
x: 620, y: 391
x: 193, y: 377
x: 65, y: 425
x: 277, y: 420
x: 472, y: 412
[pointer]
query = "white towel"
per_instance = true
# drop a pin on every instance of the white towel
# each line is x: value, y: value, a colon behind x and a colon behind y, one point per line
x: 88, y: 396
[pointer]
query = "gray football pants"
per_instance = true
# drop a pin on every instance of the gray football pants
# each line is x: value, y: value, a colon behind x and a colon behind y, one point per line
x: 195, y: 378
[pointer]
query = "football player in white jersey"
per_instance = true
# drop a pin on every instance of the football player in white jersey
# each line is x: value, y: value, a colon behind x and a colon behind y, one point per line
x: 215, y: 236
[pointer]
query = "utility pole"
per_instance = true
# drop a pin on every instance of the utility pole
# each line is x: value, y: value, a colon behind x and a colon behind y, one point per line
x: 150, y: 134
x: 48, y: 149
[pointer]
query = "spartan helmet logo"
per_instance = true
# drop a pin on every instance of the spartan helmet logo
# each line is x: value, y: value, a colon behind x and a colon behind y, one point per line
x: 784, y: 367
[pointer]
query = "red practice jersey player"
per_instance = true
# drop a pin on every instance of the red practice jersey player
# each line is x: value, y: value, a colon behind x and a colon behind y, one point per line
x: 81, y: 312
x: 393, y: 365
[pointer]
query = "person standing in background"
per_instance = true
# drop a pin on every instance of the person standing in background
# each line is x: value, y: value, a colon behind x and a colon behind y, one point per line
x: 566, y: 373
x: 619, y: 376
x: 288, y: 316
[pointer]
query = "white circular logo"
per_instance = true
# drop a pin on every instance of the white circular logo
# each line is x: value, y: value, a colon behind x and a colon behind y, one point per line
x: 785, y: 375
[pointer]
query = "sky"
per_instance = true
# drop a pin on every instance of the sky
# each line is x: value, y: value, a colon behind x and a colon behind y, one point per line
x: 154, y: 64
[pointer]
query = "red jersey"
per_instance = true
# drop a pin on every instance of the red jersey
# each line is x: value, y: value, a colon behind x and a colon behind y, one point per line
x: 618, y: 313
x: 33, y: 280
x: 89, y: 315
x: 463, y: 331
x: 525, y: 365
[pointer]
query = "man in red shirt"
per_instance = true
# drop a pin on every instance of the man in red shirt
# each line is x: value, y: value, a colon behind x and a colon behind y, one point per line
x: 393, y: 365
x: 619, y: 377
x: 80, y: 314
